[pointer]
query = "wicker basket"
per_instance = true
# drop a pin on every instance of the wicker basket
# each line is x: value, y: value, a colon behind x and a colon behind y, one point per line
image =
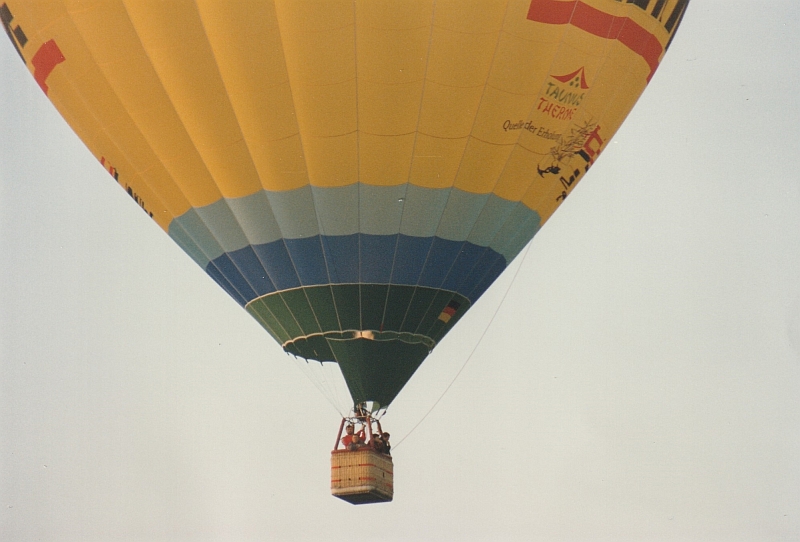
x: 362, y: 476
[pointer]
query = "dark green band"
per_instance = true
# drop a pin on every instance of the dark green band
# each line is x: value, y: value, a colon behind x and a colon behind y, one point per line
x: 378, y: 333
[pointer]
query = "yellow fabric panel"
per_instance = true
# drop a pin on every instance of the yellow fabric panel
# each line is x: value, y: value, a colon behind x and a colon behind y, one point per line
x: 516, y: 23
x: 282, y: 163
x: 458, y: 67
x: 516, y: 70
x: 394, y: 14
x: 512, y: 87
x: 578, y: 47
x: 326, y: 110
x: 389, y: 109
x: 463, y: 40
x: 119, y: 71
x: 391, y: 68
x: 35, y: 18
x: 392, y: 56
x: 449, y: 112
x: 460, y: 59
x: 481, y: 165
x: 436, y: 161
x: 498, y: 109
x: 246, y: 41
x: 319, y: 44
x: 471, y: 16
x: 184, y: 61
x: 265, y: 113
x: 385, y: 160
x: 612, y: 102
x: 315, y: 16
x: 317, y: 56
x: 264, y: 116
x: 332, y: 161
x: 517, y: 176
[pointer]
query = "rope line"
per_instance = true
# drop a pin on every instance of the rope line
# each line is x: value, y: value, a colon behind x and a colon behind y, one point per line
x: 474, y: 349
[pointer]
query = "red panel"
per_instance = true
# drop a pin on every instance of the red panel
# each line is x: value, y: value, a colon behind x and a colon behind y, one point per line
x: 600, y: 24
x: 46, y: 58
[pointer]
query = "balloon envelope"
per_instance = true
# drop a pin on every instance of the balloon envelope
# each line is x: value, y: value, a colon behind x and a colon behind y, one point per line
x: 354, y: 173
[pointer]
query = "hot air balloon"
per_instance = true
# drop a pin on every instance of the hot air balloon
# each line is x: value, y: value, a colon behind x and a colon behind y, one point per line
x: 354, y: 173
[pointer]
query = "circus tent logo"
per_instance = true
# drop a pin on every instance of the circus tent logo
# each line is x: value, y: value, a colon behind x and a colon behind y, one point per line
x: 563, y: 95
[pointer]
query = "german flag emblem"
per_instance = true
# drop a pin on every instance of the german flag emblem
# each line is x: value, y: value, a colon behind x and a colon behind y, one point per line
x: 449, y: 311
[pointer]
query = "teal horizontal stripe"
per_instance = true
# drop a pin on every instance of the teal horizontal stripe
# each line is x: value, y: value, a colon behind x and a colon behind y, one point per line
x: 228, y: 225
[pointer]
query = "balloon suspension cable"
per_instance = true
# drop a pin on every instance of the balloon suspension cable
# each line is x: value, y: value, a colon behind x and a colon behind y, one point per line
x: 358, y: 415
x: 369, y: 410
x: 325, y: 387
x: 474, y: 349
x: 363, y: 418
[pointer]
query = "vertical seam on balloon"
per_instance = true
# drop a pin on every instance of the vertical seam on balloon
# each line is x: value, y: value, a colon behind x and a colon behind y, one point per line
x: 310, y: 185
x: 358, y: 160
x: 433, y: 238
x: 469, y: 136
x: 410, y: 166
x: 313, y: 199
x: 474, y: 120
x: 225, y: 200
x: 269, y: 201
x: 250, y: 155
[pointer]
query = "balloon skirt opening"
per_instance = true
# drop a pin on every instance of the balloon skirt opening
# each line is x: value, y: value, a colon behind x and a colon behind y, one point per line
x: 379, y: 334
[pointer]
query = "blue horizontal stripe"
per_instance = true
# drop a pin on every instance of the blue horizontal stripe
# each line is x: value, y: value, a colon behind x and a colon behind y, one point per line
x: 275, y: 260
x: 408, y: 270
x: 257, y: 270
x: 229, y: 279
x: 341, y: 257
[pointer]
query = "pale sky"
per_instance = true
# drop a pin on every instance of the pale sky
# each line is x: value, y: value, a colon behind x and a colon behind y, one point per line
x: 640, y: 381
